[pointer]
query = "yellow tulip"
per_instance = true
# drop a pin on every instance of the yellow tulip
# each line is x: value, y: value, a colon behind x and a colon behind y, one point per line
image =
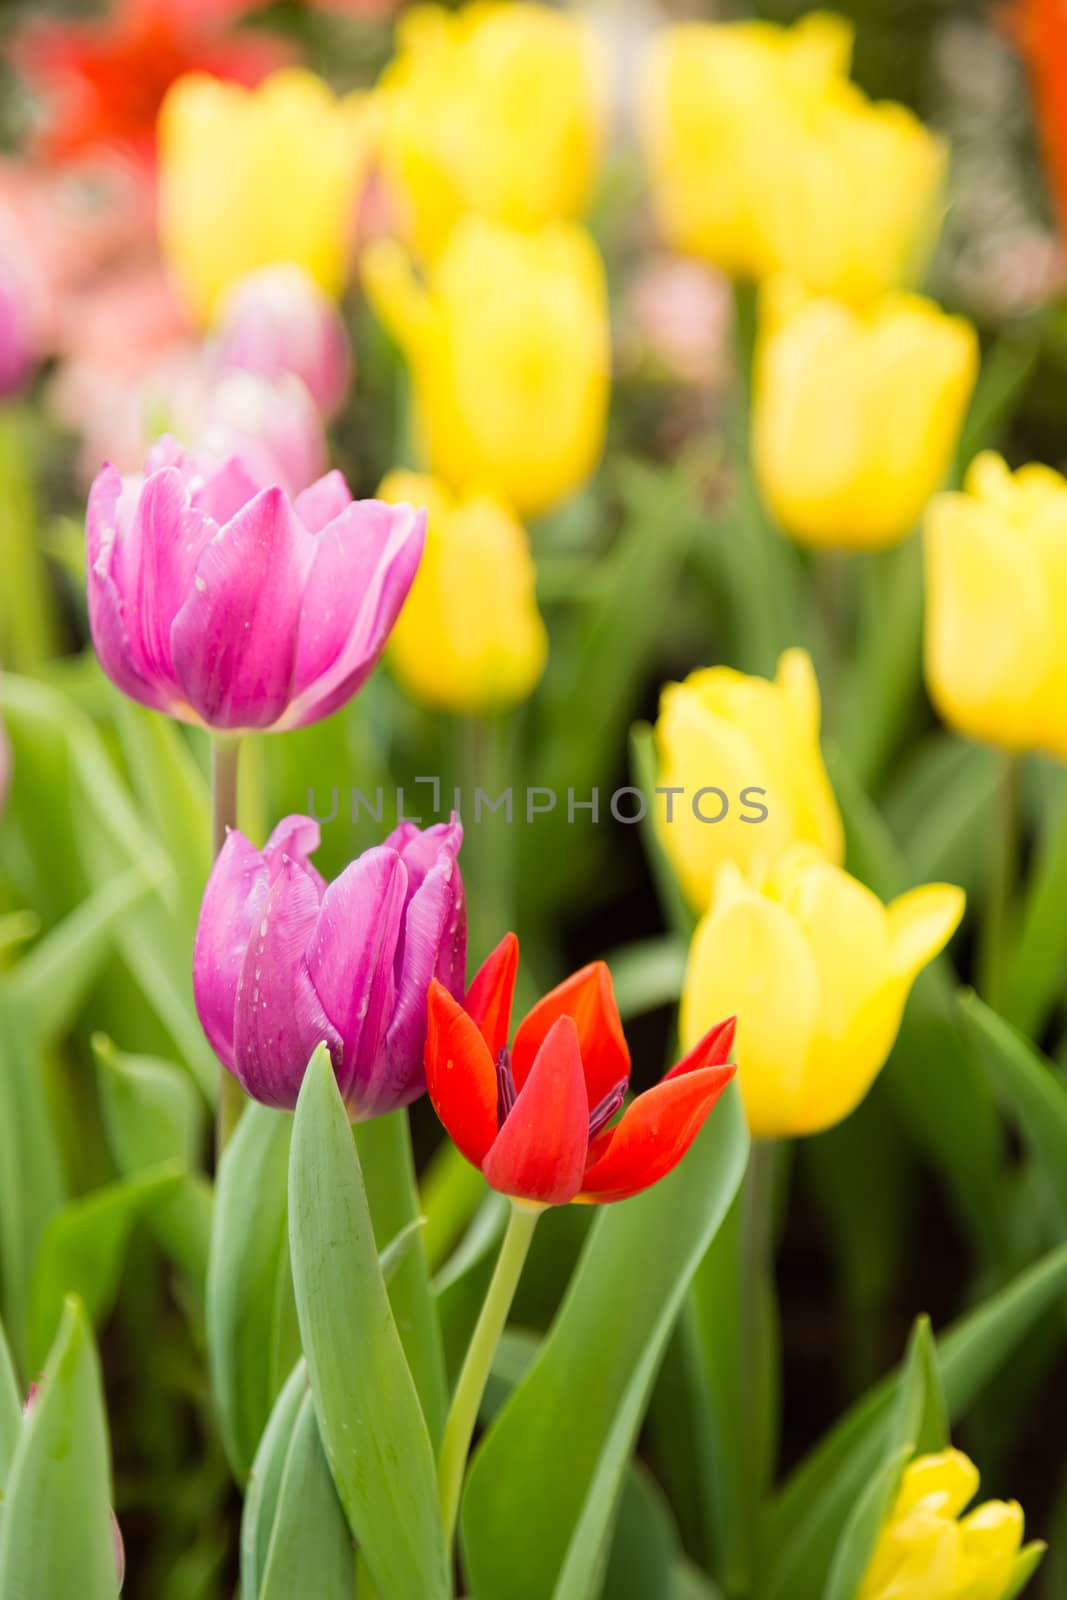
x: 996, y: 606
x: 818, y: 971
x: 470, y: 638
x: 495, y: 109
x: 856, y: 414
x: 509, y: 349
x: 928, y: 1551
x: 764, y: 158
x: 251, y: 177
x: 758, y: 744
x: 720, y: 104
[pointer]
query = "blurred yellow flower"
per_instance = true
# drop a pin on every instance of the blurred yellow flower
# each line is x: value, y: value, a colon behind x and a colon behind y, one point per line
x: 764, y: 158
x: 996, y: 606
x: 719, y: 105
x: 928, y: 1551
x: 496, y: 109
x: 818, y: 971
x: 509, y: 348
x: 757, y: 744
x: 856, y: 415
x: 470, y: 638
x: 251, y: 177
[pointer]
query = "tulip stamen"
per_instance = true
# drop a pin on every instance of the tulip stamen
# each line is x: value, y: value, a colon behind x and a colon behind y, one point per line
x: 602, y: 1114
x: 505, y: 1086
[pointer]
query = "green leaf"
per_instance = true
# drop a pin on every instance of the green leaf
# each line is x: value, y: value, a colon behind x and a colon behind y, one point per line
x: 1026, y: 1564
x: 251, y: 1316
x: 10, y: 1411
x: 647, y: 975
x: 83, y: 1247
x: 645, y: 1552
x: 361, y: 1383
x: 856, y: 1546
x: 311, y: 1550
x: 56, y: 1534
x: 544, y: 1486
x: 265, y: 1480
x: 1034, y: 977
x: 645, y: 764
x: 802, y: 1530
x: 921, y: 1417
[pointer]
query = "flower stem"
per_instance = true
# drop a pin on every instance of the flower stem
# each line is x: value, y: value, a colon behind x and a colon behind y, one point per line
x: 996, y: 929
x: 459, y: 1429
x: 225, y: 756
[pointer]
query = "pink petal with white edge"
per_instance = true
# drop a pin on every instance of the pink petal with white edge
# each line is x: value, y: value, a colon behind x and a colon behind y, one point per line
x: 327, y: 498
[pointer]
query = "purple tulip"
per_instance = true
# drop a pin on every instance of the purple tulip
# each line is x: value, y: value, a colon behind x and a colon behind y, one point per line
x: 284, y: 961
x: 226, y: 604
x: 278, y: 321
x: 16, y: 344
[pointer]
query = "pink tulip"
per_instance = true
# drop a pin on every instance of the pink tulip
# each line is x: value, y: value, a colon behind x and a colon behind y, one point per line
x: 284, y: 961
x: 278, y: 321
x: 225, y: 603
x: 16, y: 341
x: 271, y: 424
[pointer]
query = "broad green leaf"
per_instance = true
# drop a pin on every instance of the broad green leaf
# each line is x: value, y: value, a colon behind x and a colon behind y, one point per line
x: 452, y: 1191
x: 311, y: 1550
x: 543, y: 1489
x: 645, y: 1552
x: 940, y: 807
x: 83, y: 1248
x: 251, y: 1317
x: 1038, y: 955
x: 56, y: 1534
x: 920, y: 1420
x: 802, y: 1530
x: 647, y: 975
x: 361, y: 1383
x: 265, y: 1480
x: 856, y: 1545
x: 384, y: 1146
x: 171, y: 790
x: 882, y: 686
x: 10, y: 1411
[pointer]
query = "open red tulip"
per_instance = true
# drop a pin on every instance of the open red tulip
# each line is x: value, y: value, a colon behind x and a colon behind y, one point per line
x: 538, y: 1119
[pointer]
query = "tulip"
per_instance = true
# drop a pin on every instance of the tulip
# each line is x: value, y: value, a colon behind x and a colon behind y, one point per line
x: 492, y: 109
x: 510, y: 355
x: 277, y: 321
x: 272, y: 425
x: 819, y: 971
x: 250, y: 178
x: 235, y: 608
x: 538, y: 1119
x: 996, y: 606
x: 929, y: 1550
x: 856, y: 414
x: 720, y: 104
x: 470, y: 638
x: 284, y: 961
x: 722, y: 735
x: 16, y: 341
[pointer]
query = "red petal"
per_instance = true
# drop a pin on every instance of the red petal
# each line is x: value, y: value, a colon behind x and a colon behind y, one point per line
x: 540, y: 1151
x: 712, y: 1051
x: 460, y: 1075
x: 655, y: 1132
x: 489, y: 996
x: 589, y: 999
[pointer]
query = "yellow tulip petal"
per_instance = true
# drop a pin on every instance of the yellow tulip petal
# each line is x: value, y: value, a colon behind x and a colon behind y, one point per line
x: 921, y: 923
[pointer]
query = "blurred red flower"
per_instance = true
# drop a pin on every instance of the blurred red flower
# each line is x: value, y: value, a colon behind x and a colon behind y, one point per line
x: 1040, y: 29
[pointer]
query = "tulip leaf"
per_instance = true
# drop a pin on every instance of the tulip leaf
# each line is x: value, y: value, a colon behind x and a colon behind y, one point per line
x: 360, y: 1380
x: 802, y: 1529
x: 645, y: 1552
x: 645, y: 765
x: 921, y: 1417
x: 544, y: 1486
x: 856, y: 1545
x: 171, y: 791
x: 56, y: 1532
x: 252, y: 1335
x: 265, y: 1479
x: 311, y: 1549
x: 1038, y: 954
x: 82, y: 1250
x: 10, y: 1410
x: 647, y: 975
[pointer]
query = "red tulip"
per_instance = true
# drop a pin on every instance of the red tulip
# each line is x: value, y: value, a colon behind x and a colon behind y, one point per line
x: 1040, y: 28
x: 538, y: 1119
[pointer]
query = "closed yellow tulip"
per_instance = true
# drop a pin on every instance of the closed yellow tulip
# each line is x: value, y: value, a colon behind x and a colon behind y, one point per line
x: 720, y: 105
x: 495, y: 109
x: 927, y: 1550
x: 996, y: 606
x: 470, y: 638
x: 252, y: 177
x: 757, y: 742
x: 509, y: 349
x: 818, y: 971
x: 856, y: 414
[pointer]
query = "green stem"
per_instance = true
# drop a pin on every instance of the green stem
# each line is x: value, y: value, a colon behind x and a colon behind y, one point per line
x: 996, y: 928
x: 225, y: 756
x: 756, y: 1311
x: 459, y: 1429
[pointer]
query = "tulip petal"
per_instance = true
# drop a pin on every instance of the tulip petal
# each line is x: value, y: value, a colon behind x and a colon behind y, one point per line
x: 713, y: 1050
x: 364, y: 564
x: 490, y: 994
x: 232, y: 905
x: 433, y: 945
x: 225, y: 491
x: 460, y: 1076
x: 540, y: 1152
x: 322, y: 501
x: 588, y: 998
x: 234, y: 639
x: 279, y: 1016
x: 921, y: 923
x: 107, y: 619
x: 351, y: 963
x: 654, y: 1134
